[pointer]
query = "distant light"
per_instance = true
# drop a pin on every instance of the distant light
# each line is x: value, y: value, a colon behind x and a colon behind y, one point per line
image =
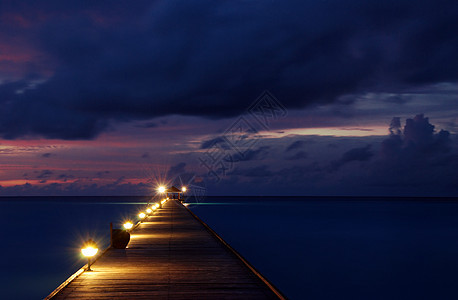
x: 148, y: 210
x: 142, y: 215
x: 161, y: 189
x: 128, y: 225
x: 183, y: 189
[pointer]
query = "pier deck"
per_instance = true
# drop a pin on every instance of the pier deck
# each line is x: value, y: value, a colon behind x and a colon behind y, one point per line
x: 171, y: 255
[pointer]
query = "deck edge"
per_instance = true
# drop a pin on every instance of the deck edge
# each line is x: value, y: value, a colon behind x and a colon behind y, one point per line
x: 74, y: 276
x: 269, y: 284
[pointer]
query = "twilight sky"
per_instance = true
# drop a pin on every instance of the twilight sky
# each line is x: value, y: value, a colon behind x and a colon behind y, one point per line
x: 230, y: 97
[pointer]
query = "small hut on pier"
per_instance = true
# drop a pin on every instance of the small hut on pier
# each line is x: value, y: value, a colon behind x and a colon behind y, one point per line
x: 174, y: 193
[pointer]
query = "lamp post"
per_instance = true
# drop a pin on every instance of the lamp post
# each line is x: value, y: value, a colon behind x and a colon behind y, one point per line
x: 89, y: 250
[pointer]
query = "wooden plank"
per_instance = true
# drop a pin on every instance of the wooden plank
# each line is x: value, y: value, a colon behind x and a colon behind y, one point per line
x: 171, y: 255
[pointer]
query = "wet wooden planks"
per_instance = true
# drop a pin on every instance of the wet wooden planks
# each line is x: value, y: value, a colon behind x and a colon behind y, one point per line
x: 171, y: 255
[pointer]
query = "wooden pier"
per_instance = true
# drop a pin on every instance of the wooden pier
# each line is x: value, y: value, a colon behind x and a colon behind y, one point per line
x: 171, y: 255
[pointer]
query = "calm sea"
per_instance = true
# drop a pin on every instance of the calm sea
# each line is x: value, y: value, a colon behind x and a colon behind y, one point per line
x: 310, y: 248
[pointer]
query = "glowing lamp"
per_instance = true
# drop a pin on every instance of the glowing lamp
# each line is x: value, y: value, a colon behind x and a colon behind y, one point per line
x: 157, y: 205
x: 89, y: 250
x: 161, y: 189
x: 142, y: 215
x: 183, y: 189
x: 128, y: 225
x: 148, y: 210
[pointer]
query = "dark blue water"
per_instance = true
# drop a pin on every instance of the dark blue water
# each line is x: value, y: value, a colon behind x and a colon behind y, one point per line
x: 309, y: 248
x: 329, y: 249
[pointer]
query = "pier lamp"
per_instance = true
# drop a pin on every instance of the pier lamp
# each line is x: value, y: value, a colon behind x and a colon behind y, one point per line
x: 142, y: 215
x: 148, y: 210
x: 156, y: 205
x: 161, y: 189
x: 128, y: 225
x: 183, y: 189
x: 89, y: 250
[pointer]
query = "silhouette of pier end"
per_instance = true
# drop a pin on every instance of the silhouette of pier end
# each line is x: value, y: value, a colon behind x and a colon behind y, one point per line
x: 171, y: 255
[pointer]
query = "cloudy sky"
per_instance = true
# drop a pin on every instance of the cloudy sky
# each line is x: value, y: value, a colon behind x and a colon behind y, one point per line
x: 230, y: 97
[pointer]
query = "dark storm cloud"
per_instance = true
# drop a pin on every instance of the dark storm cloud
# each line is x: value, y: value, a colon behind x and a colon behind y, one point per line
x: 256, y: 154
x: 102, y: 173
x: 418, y: 138
x: 77, y: 189
x: 119, y: 61
x: 418, y: 156
x: 180, y: 175
x: 295, y: 145
x: 65, y: 177
x: 356, y: 154
x: 119, y: 180
x: 297, y: 156
x: 260, y: 171
x: 45, y: 174
x: 177, y: 169
x: 147, y: 125
x: 213, y: 142
x: 46, y: 155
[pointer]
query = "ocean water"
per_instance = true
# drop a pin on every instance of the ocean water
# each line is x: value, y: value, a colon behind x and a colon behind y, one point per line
x: 310, y: 248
